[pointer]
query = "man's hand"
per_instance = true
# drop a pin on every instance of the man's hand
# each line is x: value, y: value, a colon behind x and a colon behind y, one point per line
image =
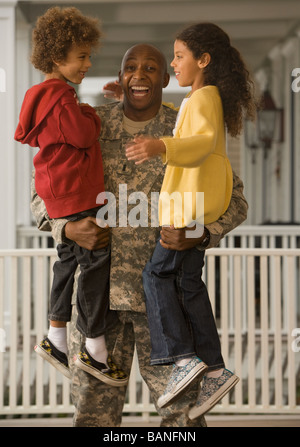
x: 142, y: 149
x: 87, y: 234
x: 174, y: 238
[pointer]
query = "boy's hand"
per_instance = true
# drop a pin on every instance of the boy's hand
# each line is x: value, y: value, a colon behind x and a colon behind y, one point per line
x: 142, y: 149
x: 113, y: 90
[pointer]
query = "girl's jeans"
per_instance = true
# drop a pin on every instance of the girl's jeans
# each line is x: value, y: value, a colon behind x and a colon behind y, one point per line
x: 179, y: 312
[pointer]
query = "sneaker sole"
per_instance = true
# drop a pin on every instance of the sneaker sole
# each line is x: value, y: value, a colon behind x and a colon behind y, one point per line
x: 213, y: 400
x: 53, y: 361
x: 169, y: 398
x: 100, y: 376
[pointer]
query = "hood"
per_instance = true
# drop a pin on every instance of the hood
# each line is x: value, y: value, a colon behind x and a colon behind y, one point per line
x: 38, y: 102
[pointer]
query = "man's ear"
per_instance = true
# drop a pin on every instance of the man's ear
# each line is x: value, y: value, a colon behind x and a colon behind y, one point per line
x: 166, y: 80
x: 119, y: 79
x: 204, y: 60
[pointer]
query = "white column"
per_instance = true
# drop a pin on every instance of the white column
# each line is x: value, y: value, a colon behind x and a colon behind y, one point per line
x: 297, y: 131
x: 275, y: 192
x: 290, y: 61
x: 7, y: 126
x: 25, y: 78
x: 252, y: 172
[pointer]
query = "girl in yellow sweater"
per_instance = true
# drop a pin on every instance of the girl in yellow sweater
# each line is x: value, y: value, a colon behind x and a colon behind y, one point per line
x: 197, y: 167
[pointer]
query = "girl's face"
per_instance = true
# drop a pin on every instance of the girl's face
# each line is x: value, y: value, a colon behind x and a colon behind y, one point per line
x: 188, y: 70
x: 75, y: 66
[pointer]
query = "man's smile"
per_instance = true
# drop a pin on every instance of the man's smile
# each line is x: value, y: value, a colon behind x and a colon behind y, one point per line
x: 139, y: 90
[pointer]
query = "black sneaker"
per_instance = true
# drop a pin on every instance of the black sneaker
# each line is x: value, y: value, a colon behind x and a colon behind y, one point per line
x: 51, y: 354
x: 111, y: 375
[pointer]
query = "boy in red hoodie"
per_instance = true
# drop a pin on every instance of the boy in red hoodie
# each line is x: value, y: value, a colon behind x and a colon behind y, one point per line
x: 68, y: 177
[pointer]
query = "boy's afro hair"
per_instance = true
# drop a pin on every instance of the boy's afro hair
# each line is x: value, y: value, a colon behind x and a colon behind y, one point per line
x: 57, y: 31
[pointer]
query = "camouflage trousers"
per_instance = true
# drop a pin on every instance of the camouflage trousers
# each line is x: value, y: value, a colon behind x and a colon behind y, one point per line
x: 99, y: 405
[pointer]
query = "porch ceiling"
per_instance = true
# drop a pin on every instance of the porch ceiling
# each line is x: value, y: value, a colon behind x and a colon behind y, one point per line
x: 255, y: 26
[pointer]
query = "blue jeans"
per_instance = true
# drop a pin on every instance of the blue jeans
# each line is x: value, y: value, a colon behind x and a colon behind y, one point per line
x: 180, y: 316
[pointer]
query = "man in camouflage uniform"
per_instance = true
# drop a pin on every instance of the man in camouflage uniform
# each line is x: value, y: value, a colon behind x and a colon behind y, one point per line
x: 97, y: 404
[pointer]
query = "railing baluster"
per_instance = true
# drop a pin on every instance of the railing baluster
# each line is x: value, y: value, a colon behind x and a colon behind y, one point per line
x: 277, y: 333
x: 251, y: 332
x: 2, y: 333
x: 238, y: 335
x: 291, y: 325
x: 13, y: 345
x: 264, y: 317
x: 39, y: 314
x: 224, y: 317
x: 26, y: 341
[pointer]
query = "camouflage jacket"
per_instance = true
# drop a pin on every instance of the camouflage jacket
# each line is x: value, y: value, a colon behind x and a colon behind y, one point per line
x: 132, y: 186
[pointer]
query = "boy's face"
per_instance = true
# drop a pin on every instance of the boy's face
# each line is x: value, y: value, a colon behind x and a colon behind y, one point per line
x: 77, y: 63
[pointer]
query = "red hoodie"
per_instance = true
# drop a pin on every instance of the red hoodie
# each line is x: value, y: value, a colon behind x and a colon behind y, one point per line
x: 69, y: 170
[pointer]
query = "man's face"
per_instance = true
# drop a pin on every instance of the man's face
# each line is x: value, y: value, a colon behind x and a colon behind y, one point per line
x: 143, y: 76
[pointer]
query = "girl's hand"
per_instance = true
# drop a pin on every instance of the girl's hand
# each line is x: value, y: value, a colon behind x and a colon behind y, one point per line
x: 113, y: 90
x: 142, y: 149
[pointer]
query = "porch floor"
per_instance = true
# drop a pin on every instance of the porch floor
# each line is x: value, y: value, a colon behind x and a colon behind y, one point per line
x: 128, y: 421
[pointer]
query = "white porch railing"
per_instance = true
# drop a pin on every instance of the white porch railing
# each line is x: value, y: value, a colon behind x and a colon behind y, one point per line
x: 255, y: 294
x: 263, y: 236
x: 244, y: 236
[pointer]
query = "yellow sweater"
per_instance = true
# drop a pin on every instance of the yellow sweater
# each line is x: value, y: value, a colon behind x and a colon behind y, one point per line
x: 197, y: 162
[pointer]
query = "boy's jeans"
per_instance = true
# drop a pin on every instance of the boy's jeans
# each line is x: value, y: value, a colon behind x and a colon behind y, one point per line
x: 180, y: 318
x: 94, y: 314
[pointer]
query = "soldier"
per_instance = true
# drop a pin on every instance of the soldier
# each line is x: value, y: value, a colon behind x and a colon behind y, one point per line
x: 143, y: 75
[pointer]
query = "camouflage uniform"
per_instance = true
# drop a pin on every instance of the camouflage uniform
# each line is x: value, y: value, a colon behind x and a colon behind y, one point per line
x: 96, y: 404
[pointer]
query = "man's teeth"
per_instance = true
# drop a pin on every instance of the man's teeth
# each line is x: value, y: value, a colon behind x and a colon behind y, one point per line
x: 139, y: 90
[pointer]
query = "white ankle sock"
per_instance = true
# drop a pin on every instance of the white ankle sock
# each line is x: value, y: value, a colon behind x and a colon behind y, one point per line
x: 97, y: 348
x: 216, y: 373
x: 58, y: 336
x: 183, y: 362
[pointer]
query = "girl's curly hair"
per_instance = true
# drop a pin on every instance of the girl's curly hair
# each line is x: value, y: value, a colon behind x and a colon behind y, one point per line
x: 226, y: 70
x: 57, y: 31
